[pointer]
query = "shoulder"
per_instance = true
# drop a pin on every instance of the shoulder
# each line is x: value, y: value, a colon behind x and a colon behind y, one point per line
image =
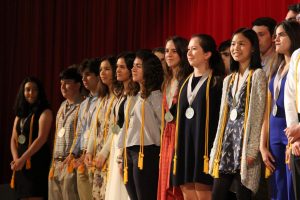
x: 259, y: 74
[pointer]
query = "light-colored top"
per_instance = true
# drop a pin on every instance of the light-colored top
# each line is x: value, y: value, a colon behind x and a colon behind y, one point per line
x: 97, y: 132
x: 65, y: 118
x: 152, y: 121
x: 85, y: 117
x: 250, y: 175
x: 269, y: 62
x: 290, y: 91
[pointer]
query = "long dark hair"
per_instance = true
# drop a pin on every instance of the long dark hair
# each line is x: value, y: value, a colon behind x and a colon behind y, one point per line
x: 208, y: 44
x: 115, y: 84
x: 255, y: 61
x: 22, y: 107
x: 133, y: 87
x: 153, y: 74
x: 185, y: 69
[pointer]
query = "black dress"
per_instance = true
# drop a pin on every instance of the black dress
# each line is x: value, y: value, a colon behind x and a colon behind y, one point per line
x: 191, y: 133
x: 33, y: 182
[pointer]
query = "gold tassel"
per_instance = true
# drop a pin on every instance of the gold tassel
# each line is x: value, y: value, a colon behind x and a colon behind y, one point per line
x: 28, y: 164
x: 205, y: 164
x: 268, y: 173
x: 141, y: 161
x: 174, y: 164
x: 125, y: 175
x: 215, y: 172
x: 12, y: 181
x: 51, y: 172
x: 70, y: 167
x: 81, y: 169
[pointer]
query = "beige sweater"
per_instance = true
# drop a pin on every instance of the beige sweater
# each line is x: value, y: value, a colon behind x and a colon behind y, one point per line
x: 250, y: 175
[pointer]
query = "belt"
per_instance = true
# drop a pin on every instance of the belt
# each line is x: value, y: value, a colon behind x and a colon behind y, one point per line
x: 60, y: 158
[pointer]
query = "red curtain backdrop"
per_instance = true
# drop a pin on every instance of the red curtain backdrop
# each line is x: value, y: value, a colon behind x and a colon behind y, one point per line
x: 40, y: 38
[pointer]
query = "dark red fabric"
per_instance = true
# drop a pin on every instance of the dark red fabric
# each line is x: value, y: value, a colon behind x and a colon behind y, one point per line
x: 41, y: 38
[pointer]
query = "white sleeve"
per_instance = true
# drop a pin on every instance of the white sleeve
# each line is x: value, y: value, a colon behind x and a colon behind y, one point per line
x: 290, y: 92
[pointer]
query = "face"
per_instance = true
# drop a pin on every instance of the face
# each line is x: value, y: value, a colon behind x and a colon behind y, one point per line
x: 282, y: 41
x: 69, y: 88
x: 264, y: 37
x: 172, y: 57
x: 123, y: 73
x: 196, y: 56
x: 31, y: 92
x: 241, y: 48
x: 137, y: 70
x: 106, y: 73
x: 226, y: 59
x: 90, y: 80
x: 291, y: 15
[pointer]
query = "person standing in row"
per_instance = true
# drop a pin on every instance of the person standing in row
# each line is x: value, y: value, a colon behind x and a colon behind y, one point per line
x: 177, y: 71
x: 90, y: 79
x: 235, y: 161
x: 115, y: 188
x: 292, y: 110
x: 29, y: 149
x: 273, y: 135
x: 197, y: 117
x: 99, y: 143
x: 141, y: 134
x: 62, y: 177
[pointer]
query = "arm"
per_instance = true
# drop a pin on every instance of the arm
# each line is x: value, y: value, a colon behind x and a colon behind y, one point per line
x: 13, y: 141
x: 45, y: 123
x: 256, y: 114
x: 265, y: 153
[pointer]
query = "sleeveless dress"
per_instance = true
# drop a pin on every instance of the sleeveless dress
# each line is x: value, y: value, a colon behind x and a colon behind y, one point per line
x: 33, y: 182
x: 281, y: 179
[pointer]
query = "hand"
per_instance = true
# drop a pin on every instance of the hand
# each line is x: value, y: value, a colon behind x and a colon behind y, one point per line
x: 77, y: 162
x: 18, y: 164
x: 268, y: 159
x: 296, y: 148
x: 120, y: 164
x: 293, y: 132
x: 250, y: 161
x: 100, y: 160
x: 68, y: 159
x: 88, y: 160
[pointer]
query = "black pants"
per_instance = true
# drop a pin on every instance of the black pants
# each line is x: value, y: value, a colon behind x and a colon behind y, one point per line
x: 142, y: 184
x: 222, y: 186
x: 295, y: 168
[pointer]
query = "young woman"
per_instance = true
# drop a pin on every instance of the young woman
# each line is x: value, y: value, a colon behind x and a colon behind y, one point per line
x: 31, y: 154
x: 177, y: 70
x: 99, y: 143
x: 197, y: 117
x: 141, y: 134
x: 115, y: 188
x: 275, y: 122
x: 234, y: 160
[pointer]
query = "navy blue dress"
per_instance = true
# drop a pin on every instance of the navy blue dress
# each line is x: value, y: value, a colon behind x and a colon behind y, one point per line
x: 281, y: 180
x: 191, y: 133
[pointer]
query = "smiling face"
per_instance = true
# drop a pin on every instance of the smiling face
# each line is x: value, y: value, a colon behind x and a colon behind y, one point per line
x: 106, y: 73
x: 171, y: 55
x: 241, y: 48
x: 123, y: 73
x: 282, y: 41
x: 196, y: 55
x: 31, y: 92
